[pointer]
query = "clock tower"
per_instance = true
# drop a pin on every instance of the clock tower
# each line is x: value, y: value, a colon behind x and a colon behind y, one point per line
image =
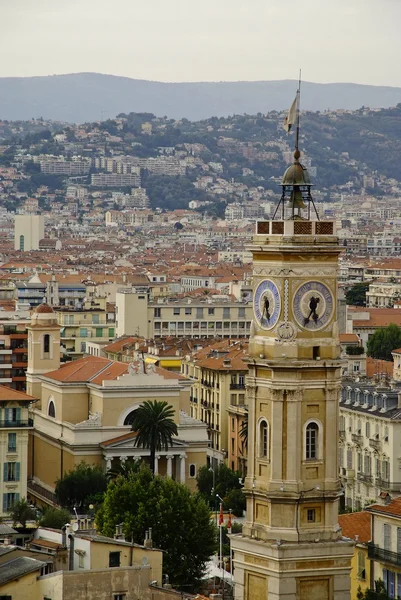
x: 291, y: 547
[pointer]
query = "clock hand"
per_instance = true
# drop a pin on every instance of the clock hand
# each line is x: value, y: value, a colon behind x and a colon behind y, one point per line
x: 266, y: 308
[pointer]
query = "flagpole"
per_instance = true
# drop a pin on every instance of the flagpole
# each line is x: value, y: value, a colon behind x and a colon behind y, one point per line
x: 298, y: 112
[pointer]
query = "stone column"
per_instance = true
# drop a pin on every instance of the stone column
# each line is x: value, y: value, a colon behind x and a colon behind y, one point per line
x: 108, y: 464
x: 157, y: 464
x: 182, y: 467
x: 123, y: 459
x: 169, y: 466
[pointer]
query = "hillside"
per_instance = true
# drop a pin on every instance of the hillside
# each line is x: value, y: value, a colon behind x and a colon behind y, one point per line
x: 86, y: 97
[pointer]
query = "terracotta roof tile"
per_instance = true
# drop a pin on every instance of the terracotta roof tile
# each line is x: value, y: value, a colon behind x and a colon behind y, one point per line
x: 393, y: 508
x: 356, y: 524
x: 7, y: 394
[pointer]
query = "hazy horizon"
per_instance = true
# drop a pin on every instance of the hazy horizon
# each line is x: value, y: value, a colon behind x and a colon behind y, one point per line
x: 229, y: 40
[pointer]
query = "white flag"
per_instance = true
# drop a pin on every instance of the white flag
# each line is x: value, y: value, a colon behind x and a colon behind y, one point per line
x: 291, y: 116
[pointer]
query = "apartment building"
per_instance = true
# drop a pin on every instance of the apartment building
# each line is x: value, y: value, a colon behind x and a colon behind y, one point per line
x: 383, y: 294
x: 14, y: 427
x: 28, y: 231
x: 85, y: 322
x: 65, y: 167
x: 384, y: 551
x: 115, y: 180
x: 212, y: 316
x: 13, y: 353
x: 369, y: 430
x: 218, y: 373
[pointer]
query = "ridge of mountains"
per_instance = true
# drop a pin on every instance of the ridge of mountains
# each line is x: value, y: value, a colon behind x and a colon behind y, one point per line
x: 83, y: 97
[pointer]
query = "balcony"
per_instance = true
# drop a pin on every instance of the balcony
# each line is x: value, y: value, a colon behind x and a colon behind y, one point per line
x: 375, y: 444
x: 383, y: 483
x: 19, y: 423
x: 357, y: 438
x: 365, y: 478
x: 237, y: 386
x: 347, y: 473
x: 386, y: 556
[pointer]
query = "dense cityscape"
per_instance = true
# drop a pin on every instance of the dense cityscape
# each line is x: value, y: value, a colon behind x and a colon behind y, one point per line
x: 200, y: 301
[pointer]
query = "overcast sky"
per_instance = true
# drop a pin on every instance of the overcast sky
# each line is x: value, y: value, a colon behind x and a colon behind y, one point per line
x: 206, y: 40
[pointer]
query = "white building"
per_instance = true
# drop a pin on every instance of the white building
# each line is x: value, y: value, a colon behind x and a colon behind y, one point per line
x: 28, y: 231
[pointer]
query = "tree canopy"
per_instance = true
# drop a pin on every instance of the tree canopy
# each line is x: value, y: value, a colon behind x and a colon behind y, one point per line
x: 155, y: 427
x: 55, y: 518
x: 386, y: 339
x: 225, y: 482
x: 356, y: 296
x: 21, y: 512
x: 81, y: 486
x: 180, y: 522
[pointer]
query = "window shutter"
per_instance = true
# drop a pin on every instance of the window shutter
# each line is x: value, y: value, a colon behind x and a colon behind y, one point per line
x: 18, y: 413
x: 17, y: 471
x: 16, y: 497
x: 387, y: 536
x: 5, y: 472
x: 5, y: 503
x: 399, y: 541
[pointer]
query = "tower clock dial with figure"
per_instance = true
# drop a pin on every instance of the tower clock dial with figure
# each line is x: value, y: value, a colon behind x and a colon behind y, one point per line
x: 267, y: 304
x: 313, y: 305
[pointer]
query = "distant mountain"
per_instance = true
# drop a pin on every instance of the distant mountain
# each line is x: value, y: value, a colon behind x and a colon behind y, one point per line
x: 84, y: 97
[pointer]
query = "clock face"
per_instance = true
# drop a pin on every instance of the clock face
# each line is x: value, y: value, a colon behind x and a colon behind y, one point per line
x: 313, y: 305
x: 267, y: 304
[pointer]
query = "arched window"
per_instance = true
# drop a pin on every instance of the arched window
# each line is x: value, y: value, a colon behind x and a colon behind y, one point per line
x: 46, y: 345
x: 263, y: 439
x: 129, y: 418
x: 312, y: 434
x: 21, y: 242
x: 192, y: 470
x: 51, y: 410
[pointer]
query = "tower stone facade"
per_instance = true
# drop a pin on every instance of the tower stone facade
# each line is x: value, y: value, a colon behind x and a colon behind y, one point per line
x: 291, y: 547
x: 43, y: 347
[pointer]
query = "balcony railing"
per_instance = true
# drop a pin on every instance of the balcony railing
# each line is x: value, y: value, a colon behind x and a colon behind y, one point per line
x: 386, y: 556
x: 375, y: 444
x: 341, y: 433
x: 19, y: 423
x: 237, y: 386
x: 357, y: 438
x: 383, y: 483
x: 365, y: 478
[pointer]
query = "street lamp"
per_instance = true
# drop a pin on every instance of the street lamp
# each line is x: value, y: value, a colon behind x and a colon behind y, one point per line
x: 211, y: 469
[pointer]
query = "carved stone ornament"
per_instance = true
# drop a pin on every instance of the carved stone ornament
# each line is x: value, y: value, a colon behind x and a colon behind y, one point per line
x: 286, y: 332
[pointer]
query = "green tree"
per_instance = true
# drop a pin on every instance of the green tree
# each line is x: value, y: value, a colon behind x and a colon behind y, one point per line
x: 243, y: 432
x: 55, y: 518
x: 235, y: 500
x: 356, y: 296
x: 386, y: 339
x: 225, y: 480
x: 21, y: 512
x: 379, y: 593
x: 80, y: 485
x: 123, y: 469
x: 180, y: 522
x: 153, y: 422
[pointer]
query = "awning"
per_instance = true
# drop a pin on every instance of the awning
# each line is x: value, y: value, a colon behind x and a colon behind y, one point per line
x: 62, y: 330
x: 151, y: 361
x: 170, y: 363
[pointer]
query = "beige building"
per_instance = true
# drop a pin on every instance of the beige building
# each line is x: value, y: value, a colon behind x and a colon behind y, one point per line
x: 291, y: 546
x: 218, y: 373
x: 86, y: 407
x: 15, y: 425
x: 28, y: 231
x: 214, y: 316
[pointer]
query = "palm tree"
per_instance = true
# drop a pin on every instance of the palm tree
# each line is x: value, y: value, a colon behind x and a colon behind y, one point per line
x: 155, y: 427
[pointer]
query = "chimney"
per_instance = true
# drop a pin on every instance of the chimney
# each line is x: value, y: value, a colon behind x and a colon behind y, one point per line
x: 64, y: 536
x: 148, y: 538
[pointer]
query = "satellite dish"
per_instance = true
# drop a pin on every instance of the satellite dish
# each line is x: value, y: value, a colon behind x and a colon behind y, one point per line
x: 75, y: 527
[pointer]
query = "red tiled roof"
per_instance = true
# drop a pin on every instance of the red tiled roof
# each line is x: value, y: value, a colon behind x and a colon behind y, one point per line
x: 378, y: 367
x: 348, y: 338
x: 393, y: 508
x: 356, y: 524
x: 8, y: 394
